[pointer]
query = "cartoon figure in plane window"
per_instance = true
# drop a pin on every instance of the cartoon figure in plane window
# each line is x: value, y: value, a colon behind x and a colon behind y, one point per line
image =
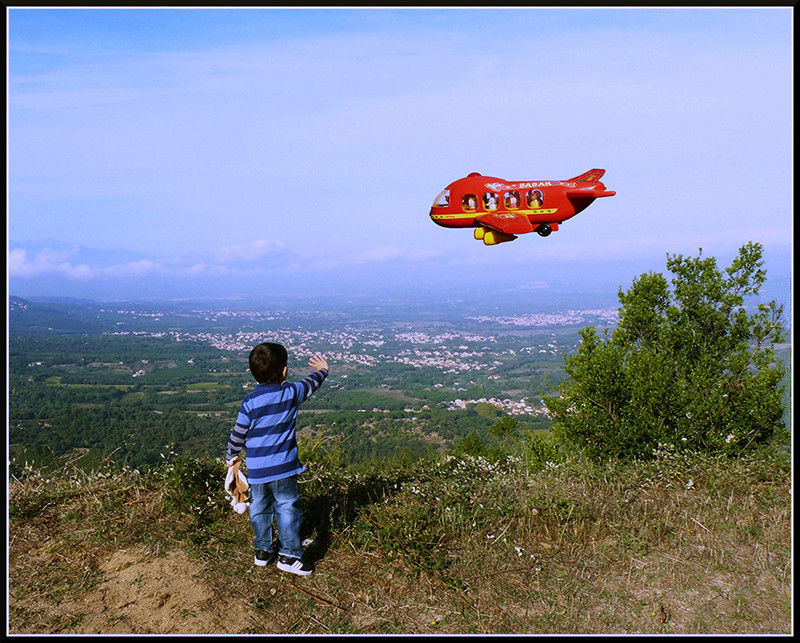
x: 534, y: 199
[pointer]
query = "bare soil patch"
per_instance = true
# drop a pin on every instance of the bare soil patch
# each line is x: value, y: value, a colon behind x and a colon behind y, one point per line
x: 142, y: 594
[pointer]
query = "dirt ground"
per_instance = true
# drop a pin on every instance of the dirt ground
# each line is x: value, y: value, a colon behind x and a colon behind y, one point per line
x: 141, y: 592
x: 137, y: 591
x: 146, y: 595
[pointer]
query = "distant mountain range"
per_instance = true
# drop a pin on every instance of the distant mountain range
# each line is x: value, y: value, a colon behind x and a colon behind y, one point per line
x: 56, y: 271
x: 34, y: 317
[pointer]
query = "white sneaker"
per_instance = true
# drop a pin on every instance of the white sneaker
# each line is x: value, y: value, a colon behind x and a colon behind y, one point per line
x: 294, y: 566
x: 264, y: 558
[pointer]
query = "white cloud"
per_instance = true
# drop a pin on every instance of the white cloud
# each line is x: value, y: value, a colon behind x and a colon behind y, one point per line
x: 87, y: 264
x: 139, y: 268
x: 45, y: 262
x: 378, y: 254
x: 375, y: 257
x: 247, y: 252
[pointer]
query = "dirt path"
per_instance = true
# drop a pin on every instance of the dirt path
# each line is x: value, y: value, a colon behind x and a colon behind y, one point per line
x: 145, y: 595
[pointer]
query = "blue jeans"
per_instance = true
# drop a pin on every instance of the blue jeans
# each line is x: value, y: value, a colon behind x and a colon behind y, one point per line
x: 279, y: 499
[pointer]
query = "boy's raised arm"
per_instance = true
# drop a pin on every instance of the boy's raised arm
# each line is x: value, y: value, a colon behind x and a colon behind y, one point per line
x: 312, y: 381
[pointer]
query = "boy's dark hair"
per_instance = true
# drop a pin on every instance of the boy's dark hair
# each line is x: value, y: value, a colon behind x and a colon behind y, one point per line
x: 267, y: 362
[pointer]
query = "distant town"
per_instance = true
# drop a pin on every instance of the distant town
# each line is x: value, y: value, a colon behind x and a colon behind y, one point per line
x: 404, y: 378
x: 451, y: 352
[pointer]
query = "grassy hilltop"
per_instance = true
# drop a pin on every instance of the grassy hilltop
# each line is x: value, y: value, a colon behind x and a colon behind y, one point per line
x: 440, y: 510
x: 682, y: 544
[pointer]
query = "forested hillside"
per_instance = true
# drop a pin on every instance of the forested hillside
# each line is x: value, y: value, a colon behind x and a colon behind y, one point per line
x: 131, y: 383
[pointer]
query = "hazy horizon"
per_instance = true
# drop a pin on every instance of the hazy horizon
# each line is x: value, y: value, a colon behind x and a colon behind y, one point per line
x: 261, y: 152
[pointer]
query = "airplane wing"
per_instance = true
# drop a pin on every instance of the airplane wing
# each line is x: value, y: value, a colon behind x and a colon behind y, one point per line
x: 507, y: 222
x: 589, y: 177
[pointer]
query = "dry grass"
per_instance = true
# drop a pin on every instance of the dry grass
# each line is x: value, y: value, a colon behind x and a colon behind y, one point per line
x: 682, y: 545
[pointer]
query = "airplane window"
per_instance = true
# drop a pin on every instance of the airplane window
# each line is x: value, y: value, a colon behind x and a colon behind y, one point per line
x: 534, y: 198
x: 469, y: 202
x: 442, y: 200
x: 511, y: 199
x: 490, y: 200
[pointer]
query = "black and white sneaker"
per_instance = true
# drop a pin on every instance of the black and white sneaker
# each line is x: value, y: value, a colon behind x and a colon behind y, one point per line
x: 264, y: 558
x: 294, y: 566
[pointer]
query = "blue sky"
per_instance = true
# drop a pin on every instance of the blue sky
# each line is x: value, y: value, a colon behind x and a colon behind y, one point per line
x: 228, y: 152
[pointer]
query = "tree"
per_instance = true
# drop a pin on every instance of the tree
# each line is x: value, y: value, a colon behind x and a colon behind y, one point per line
x: 502, y: 429
x: 687, y: 365
x: 471, y: 444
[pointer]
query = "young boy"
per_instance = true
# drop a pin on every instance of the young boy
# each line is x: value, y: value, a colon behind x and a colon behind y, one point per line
x: 265, y: 427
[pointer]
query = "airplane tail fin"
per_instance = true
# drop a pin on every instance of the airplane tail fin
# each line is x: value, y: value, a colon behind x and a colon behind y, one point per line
x: 589, y: 177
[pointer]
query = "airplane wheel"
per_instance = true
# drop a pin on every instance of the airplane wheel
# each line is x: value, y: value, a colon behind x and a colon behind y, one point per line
x: 544, y: 230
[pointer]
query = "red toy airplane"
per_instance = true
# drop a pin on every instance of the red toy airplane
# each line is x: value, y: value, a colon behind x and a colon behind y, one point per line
x: 500, y: 210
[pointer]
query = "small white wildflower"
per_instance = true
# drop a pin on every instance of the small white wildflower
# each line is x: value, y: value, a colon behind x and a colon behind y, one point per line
x: 731, y: 437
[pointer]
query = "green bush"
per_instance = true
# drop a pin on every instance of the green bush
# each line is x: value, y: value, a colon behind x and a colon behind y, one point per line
x: 195, y: 488
x: 540, y: 448
x: 686, y: 366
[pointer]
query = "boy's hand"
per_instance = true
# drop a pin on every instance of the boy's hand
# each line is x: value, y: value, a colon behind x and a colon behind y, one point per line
x: 232, y: 461
x: 318, y: 362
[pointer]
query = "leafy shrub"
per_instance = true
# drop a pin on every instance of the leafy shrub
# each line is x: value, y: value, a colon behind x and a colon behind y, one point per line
x: 540, y: 448
x: 194, y: 488
x: 687, y: 366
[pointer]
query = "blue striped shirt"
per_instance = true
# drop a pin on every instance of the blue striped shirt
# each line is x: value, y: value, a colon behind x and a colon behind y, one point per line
x: 265, y: 427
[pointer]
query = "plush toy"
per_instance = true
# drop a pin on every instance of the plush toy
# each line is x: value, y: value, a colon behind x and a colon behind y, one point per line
x: 237, y: 488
